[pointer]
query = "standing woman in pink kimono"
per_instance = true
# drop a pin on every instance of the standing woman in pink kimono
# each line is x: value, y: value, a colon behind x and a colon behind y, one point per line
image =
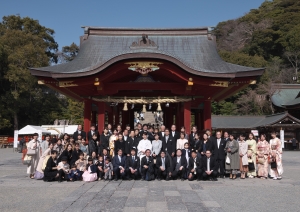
x: 263, y: 150
x: 243, y: 149
x: 276, y: 154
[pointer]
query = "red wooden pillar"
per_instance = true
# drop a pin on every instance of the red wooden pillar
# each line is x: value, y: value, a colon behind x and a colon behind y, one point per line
x: 187, y: 116
x: 101, y: 116
x: 87, y: 114
x: 207, y: 114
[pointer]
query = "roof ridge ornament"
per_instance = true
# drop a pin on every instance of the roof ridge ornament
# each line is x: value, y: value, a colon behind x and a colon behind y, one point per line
x: 144, y: 43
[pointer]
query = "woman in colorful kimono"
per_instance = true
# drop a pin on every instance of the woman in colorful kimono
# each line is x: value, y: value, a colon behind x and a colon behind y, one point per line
x: 252, y: 154
x: 112, y: 141
x: 276, y: 155
x: 262, y: 151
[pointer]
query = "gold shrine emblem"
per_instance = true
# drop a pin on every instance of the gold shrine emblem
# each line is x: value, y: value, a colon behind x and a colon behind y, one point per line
x: 65, y: 84
x: 220, y: 84
x: 143, y: 67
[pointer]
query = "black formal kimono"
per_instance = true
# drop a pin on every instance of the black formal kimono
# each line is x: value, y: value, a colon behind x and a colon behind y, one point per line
x: 67, y: 154
x: 75, y: 156
x: 163, y: 174
x: 104, y: 143
x: 134, y: 163
x: 198, y: 168
x: 147, y: 174
x: 49, y: 172
x: 92, y: 147
x: 119, y: 145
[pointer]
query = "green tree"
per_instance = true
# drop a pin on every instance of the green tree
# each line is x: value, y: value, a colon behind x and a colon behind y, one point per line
x: 24, y: 43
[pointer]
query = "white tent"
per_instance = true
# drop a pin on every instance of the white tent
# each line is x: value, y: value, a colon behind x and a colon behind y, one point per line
x: 30, y: 129
x: 60, y: 129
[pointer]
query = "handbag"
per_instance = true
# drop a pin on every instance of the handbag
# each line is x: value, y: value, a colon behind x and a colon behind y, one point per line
x: 251, y: 166
x: 227, y: 160
x: 31, y: 152
x: 27, y: 160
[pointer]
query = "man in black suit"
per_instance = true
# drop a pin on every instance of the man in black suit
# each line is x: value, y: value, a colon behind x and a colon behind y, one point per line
x: 91, y: 132
x: 79, y: 131
x: 147, y: 166
x: 129, y: 143
x: 218, y: 147
x: 119, y: 165
x: 163, y: 167
x: 226, y: 136
x: 132, y: 165
x: 174, y: 134
x: 168, y: 143
x: 178, y: 166
x: 192, y: 137
x: 194, y: 167
x: 209, y: 169
x: 161, y: 133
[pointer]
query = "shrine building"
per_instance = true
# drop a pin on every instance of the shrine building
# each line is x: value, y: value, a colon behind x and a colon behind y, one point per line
x: 121, y: 70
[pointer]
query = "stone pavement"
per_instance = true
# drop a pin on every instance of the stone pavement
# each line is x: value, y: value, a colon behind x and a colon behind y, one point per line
x: 19, y: 193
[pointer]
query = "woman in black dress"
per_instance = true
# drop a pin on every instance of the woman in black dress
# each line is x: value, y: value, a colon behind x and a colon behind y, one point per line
x: 50, y: 172
x: 205, y: 145
x: 66, y: 153
x: 104, y: 141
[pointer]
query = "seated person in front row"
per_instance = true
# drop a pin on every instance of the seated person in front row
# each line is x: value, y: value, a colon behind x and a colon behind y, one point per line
x: 108, y: 169
x: 163, y: 167
x: 50, y: 172
x: 100, y: 167
x: 132, y: 165
x: 194, y: 168
x: 119, y: 164
x: 81, y: 163
x: 90, y: 173
x: 63, y: 169
x: 209, y: 167
x: 178, y: 166
x: 147, y: 171
x: 74, y: 173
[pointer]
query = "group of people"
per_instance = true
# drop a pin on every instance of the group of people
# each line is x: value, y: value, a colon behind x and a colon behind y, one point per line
x: 146, y: 153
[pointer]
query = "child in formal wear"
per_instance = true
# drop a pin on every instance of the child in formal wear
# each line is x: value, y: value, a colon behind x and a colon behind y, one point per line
x: 63, y: 169
x: 90, y: 174
x: 74, y: 174
x: 81, y: 163
x: 108, y: 168
x: 100, y: 166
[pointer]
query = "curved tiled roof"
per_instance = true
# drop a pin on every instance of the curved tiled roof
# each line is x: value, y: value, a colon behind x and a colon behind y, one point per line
x: 195, y: 51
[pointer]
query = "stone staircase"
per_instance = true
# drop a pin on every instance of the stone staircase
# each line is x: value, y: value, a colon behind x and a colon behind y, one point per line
x: 149, y: 118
